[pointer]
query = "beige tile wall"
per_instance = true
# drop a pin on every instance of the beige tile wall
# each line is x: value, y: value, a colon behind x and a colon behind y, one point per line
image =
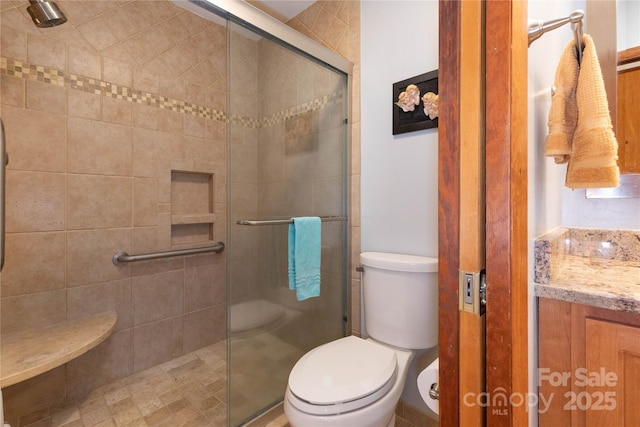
x: 291, y: 164
x: 93, y: 110
x: 336, y: 25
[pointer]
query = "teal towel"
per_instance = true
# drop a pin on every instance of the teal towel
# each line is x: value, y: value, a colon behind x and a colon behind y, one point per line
x: 304, y: 257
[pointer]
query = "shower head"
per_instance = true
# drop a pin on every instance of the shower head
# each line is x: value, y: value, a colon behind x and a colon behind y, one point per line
x: 45, y: 13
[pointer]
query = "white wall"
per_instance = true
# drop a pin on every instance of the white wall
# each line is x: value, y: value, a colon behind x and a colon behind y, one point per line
x: 545, y: 177
x: 628, y: 18
x: 551, y: 204
x: 399, y: 174
x: 399, y: 40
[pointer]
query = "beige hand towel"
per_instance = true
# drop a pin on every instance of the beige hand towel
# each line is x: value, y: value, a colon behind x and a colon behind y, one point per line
x: 563, y: 115
x: 594, y: 152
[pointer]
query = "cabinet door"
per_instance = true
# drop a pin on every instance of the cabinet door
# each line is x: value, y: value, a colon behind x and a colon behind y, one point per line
x: 612, y: 375
x: 628, y: 128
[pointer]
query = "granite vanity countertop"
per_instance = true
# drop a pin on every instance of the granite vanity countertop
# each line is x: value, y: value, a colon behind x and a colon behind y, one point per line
x: 599, y: 268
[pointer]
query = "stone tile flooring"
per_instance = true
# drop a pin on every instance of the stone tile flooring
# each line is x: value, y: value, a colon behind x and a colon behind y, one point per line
x: 259, y: 366
x: 188, y: 391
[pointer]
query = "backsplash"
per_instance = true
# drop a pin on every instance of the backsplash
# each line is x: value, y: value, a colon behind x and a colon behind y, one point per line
x: 621, y: 245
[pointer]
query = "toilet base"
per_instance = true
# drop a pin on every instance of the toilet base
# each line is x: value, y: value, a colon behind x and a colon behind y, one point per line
x: 392, y: 423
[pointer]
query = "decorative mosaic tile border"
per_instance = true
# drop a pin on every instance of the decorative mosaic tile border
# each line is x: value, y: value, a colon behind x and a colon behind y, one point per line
x: 313, y: 105
x: 26, y: 71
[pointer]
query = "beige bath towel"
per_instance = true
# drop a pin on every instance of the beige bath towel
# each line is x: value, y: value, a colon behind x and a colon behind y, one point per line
x: 594, y: 152
x: 563, y: 115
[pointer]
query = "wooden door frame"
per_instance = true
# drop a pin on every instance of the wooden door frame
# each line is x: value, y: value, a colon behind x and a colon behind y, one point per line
x: 506, y: 210
x: 507, y: 230
x: 449, y: 210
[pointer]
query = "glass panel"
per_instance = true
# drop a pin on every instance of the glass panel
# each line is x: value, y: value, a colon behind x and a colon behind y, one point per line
x: 287, y: 151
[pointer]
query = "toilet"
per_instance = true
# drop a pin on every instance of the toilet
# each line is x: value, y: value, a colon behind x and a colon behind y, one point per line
x: 358, y: 382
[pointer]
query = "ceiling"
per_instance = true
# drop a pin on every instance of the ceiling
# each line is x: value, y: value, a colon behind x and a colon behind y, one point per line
x: 282, y: 9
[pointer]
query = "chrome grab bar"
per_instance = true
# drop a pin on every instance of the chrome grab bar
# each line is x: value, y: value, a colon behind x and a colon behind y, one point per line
x: 4, y: 161
x: 285, y: 221
x: 121, y: 258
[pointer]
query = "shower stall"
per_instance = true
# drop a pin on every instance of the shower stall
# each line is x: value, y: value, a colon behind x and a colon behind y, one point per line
x: 207, y: 126
x: 287, y: 158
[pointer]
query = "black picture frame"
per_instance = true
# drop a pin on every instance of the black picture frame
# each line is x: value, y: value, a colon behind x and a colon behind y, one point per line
x: 414, y: 120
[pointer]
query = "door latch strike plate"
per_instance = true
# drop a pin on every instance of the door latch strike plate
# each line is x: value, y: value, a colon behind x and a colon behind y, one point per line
x: 472, y: 291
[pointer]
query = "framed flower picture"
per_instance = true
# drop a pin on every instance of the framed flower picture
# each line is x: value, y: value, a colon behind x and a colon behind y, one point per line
x: 415, y: 103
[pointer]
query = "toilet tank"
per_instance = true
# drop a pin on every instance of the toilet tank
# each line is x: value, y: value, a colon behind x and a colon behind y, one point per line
x: 400, y: 299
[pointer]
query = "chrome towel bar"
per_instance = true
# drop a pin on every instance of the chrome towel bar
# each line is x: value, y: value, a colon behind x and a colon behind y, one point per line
x: 537, y: 28
x: 121, y: 258
x: 285, y: 221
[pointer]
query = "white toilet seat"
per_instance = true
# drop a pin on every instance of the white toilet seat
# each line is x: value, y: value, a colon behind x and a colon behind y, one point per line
x: 342, y: 376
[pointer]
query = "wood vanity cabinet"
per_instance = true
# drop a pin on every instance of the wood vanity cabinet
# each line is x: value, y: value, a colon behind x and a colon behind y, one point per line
x: 589, y: 366
x: 628, y: 111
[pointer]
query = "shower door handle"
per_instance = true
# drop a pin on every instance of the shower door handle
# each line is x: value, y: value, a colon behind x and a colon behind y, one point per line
x: 4, y: 161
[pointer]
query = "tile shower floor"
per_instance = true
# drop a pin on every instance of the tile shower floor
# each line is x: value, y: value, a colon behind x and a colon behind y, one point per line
x: 187, y: 391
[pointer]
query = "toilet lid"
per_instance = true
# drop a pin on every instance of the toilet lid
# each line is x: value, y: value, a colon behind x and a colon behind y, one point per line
x: 343, y: 370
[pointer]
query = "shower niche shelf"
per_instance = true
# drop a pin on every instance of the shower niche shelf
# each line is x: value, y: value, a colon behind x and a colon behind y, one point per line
x: 192, y: 206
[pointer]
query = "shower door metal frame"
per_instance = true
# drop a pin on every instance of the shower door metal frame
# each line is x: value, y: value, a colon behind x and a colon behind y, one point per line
x: 265, y: 25
x: 242, y: 12
x: 268, y: 24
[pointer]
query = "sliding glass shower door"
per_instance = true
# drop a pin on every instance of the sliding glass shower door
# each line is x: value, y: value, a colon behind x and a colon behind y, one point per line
x: 287, y: 156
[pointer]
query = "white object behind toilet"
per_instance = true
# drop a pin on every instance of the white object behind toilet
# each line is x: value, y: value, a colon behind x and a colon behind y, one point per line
x: 426, y: 378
